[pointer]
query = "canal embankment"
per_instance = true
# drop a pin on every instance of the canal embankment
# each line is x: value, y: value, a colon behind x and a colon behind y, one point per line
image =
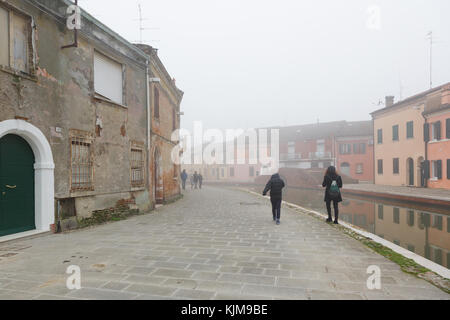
x: 419, y: 196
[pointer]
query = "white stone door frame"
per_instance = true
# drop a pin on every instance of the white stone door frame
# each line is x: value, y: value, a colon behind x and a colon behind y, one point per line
x: 43, y: 171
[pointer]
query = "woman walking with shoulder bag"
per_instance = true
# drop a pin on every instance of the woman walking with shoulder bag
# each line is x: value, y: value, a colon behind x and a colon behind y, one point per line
x: 333, y: 184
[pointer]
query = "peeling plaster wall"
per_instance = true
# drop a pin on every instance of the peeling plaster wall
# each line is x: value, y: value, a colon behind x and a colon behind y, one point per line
x: 61, y: 96
x: 170, y: 98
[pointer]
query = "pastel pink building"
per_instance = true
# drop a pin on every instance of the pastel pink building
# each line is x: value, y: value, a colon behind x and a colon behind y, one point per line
x: 437, y: 137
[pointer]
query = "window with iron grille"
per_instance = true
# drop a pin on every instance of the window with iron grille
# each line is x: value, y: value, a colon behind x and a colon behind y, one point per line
x: 82, y: 165
x: 137, y: 168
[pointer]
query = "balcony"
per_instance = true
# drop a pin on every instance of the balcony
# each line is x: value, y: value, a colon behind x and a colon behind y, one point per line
x: 320, y: 155
x: 290, y: 156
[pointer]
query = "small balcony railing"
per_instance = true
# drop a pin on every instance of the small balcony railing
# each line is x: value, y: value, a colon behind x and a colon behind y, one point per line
x: 290, y: 156
x: 319, y: 155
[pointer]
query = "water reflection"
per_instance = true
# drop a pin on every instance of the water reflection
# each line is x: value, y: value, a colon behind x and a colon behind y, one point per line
x: 423, y: 232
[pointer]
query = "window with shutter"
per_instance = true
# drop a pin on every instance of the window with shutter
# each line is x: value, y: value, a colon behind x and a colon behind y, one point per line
x: 4, y: 37
x: 108, y: 81
x: 447, y: 129
x: 410, y: 130
x: 426, y: 132
x: 380, y: 136
x: 395, y: 136
x: 380, y: 167
x: 448, y: 169
x: 439, y: 169
x: 15, y: 40
x: 156, y: 103
x: 437, y: 131
x: 396, y: 166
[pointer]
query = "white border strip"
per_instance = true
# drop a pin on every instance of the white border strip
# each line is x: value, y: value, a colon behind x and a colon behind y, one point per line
x: 21, y: 235
x: 440, y: 270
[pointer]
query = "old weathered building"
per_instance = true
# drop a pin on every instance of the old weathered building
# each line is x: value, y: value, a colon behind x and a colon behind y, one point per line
x: 74, y: 129
x: 165, y: 120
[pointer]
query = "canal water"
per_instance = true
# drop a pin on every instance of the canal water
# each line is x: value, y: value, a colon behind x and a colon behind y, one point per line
x: 424, y: 231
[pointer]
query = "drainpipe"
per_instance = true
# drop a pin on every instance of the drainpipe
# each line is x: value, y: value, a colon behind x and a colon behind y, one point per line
x: 148, y: 104
x: 149, y: 120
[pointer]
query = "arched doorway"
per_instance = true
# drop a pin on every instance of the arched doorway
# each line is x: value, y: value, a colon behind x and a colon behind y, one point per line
x: 33, y: 150
x: 410, y: 172
x: 345, y: 169
x: 16, y: 186
x: 158, y: 183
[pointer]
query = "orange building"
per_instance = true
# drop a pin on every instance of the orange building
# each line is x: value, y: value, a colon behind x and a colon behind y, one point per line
x: 437, y: 137
x: 354, y: 151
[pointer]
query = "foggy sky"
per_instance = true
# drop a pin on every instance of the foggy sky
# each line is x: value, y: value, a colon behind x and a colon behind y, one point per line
x: 256, y: 63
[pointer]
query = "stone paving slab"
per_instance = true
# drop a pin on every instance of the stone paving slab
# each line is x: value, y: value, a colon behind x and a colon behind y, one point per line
x: 210, y: 245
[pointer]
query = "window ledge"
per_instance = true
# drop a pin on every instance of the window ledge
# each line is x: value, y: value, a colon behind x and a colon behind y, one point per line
x: 135, y: 189
x: 18, y: 73
x: 437, y: 141
x: 101, y: 99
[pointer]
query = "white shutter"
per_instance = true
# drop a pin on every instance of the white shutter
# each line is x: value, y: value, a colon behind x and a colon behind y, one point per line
x: 108, y: 78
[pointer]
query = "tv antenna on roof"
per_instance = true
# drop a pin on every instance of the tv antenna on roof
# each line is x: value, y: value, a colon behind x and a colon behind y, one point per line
x: 141, y: 26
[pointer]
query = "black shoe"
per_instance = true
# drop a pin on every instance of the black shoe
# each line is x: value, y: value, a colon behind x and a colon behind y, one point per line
x: 278, y: 222
x: 336, y: 222
x: 329, y: 220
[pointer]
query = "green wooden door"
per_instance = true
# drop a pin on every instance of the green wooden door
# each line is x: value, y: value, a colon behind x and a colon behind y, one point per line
x: 16, y: 186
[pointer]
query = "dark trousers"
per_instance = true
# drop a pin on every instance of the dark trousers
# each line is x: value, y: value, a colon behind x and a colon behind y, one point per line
x: 276, y: 208
x: 336, y: 209
x: 183, y: 184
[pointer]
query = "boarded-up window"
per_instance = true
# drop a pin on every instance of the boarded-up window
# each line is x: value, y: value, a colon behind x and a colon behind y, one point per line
x: 108, y: 78
x: 137, y: 168
x: 4, y: 37
x: 82, y: 168
x: 14, y: 40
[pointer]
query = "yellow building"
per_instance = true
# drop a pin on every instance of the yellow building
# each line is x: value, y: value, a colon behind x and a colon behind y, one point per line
x: 400, y: 149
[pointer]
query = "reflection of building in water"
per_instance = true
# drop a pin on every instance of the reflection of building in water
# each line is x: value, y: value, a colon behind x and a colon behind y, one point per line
x: 359, y: 213
x: 423, y: 233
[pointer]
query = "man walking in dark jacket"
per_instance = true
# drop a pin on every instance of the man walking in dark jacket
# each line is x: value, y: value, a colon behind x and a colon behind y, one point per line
x: 275, y: 185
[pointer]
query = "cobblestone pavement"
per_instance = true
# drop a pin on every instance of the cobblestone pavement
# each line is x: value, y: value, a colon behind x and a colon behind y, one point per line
x: 213, y: 244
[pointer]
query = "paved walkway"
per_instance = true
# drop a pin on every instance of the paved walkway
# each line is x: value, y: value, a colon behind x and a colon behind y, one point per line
x: 438, y: 194
x: 213, y: 244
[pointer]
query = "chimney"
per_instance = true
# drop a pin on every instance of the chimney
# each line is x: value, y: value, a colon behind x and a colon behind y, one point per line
x: 389, y: 101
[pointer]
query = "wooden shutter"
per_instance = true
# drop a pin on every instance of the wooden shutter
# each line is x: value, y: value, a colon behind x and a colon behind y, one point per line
x: 427, y: 168
x: 448, y: 169
x: 447, y: 129
x: 438, y: 130
x: 156, y: 103
x: 426, y: 132
x: 439, y: 169
x: 4, y: 37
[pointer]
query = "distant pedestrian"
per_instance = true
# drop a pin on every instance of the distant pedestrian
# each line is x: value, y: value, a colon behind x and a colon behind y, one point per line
x: 196, y: 180
x: 191, y: 179
x: 276, y: 186
x: 184, y: 178
x: 200, y: 180
x: 333, y: 184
